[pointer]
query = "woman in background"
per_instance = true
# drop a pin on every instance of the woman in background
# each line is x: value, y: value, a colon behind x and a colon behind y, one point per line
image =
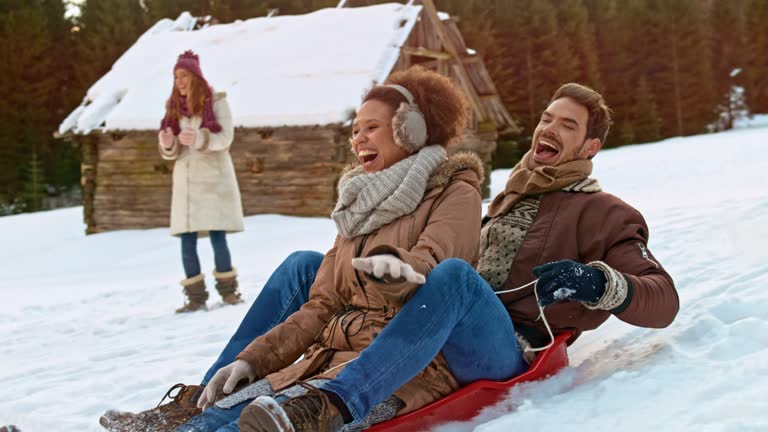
x: 197, y: 132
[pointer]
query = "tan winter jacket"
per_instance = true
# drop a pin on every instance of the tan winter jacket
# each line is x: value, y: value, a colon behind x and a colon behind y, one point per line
x: 347, y: 309
x: 205, y: 192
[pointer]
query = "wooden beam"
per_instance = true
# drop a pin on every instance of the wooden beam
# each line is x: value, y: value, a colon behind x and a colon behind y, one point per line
x: 464, y: 80
x: 442, y: 67
x: 423, y: 52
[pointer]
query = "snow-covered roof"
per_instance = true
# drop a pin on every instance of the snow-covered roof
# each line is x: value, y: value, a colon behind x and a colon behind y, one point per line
x: 279, y: 71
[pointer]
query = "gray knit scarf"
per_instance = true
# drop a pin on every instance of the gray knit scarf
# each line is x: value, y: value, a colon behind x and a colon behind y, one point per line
x: 370, y: 201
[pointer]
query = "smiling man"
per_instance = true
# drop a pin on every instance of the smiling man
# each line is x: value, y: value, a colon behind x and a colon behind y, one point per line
x: 560, y: 135
x: 587, y: 247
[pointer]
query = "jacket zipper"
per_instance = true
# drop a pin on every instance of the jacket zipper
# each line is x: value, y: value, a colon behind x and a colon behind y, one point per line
x: 645, y: 254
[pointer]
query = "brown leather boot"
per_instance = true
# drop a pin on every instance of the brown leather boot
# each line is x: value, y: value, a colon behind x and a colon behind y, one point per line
x: 194, y: 288
x: 226, y: 285
x: 310, y: 412
x: 162, y: 418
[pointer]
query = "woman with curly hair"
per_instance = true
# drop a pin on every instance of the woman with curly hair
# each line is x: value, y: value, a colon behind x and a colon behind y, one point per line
x: 404, y: 215
x: 197, y: 132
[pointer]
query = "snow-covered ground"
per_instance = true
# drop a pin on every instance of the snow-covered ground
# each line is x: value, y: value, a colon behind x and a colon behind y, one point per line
x: 87, y: 323
x: 751, y: 121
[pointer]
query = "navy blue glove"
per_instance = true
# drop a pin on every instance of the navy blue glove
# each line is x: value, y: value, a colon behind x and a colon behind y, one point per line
x: 568, y: 280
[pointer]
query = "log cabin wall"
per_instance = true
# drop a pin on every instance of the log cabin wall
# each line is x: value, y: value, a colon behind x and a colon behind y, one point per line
x: 131, y: 184
x: 290, y: 171
x: 90, y: 157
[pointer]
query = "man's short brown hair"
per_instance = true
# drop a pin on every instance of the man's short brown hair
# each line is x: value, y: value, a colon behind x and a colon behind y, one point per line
x: 599, y: 114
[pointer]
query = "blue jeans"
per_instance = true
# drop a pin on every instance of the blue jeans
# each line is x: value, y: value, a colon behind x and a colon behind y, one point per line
x: 283, y: 294
x: 215, y: 419
x: 189, y: 256
x: 465, y: 320
x: 455, y: 312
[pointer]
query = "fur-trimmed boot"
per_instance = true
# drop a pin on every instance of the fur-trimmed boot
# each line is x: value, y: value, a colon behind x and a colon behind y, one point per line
x: 194, y: 288
x: 163, y: 418
x: 226, y: 285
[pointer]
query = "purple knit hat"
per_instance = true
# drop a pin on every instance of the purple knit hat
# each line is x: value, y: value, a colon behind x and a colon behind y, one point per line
x: 190, y: 62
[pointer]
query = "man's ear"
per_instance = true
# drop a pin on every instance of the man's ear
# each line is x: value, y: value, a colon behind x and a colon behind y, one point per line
x: 591, y: 147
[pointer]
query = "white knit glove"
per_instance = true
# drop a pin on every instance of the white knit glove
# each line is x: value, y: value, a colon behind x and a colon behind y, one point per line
x: 388, y: 265
x: 225, y: 381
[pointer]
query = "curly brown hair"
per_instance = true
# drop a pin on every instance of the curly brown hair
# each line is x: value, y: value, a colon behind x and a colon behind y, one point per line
x: 196, y: 98
x: 443, y: 105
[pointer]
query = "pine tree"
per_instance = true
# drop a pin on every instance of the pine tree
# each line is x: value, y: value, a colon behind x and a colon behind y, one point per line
x: 729, y: 54
x: 646, y: 121
x: 60, y: 159
x: 529, y: 69
x: 756, y: 70
x: 679, y: 70
x: 476, y: 21
x: 614, y: 21
x: 226, y: 11
x: 26, y: 85
x: 107, y: 29
x: 578, y: 48
x: 171, y: 9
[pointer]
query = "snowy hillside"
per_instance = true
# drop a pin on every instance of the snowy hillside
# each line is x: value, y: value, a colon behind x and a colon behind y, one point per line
x: 87, y: 323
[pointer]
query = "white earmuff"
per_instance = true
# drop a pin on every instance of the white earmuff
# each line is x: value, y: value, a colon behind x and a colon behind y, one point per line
x: 408, y: 125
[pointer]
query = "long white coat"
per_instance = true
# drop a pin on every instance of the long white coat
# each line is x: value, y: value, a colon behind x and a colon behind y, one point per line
x: 205, y: 192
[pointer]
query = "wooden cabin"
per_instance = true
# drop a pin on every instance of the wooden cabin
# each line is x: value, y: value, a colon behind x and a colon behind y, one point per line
x: 293, y: 83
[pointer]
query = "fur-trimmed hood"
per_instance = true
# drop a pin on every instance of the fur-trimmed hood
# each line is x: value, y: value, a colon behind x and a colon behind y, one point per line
x: 465, y: 166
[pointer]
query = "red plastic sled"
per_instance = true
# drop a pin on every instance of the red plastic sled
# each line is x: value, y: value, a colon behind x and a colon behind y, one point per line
x: 467, y: 402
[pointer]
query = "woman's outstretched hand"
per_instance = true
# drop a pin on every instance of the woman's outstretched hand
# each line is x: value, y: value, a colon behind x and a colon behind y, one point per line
x: 388, y: 265
x: 166, y: 138
x: 225, y: 381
